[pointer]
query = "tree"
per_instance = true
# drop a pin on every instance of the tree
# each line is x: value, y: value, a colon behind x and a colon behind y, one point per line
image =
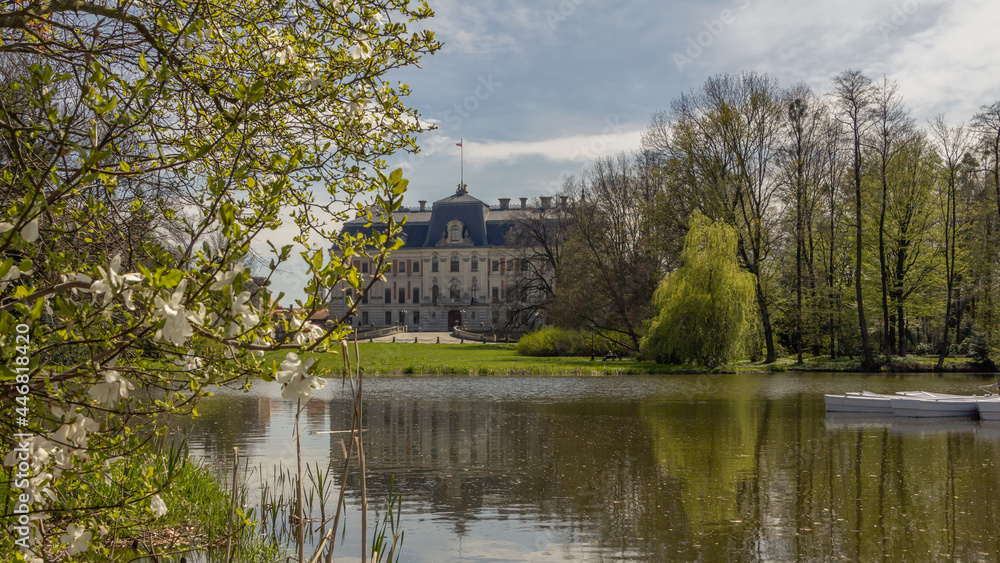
x: 721, y: 145
x: 608, y: 286
x: 705, y: 307
x: 537, y: 242
x: 177, y: 122
x: 802, y: 168
x: 853, y: 97
x: 953, y: 146
x: 891, y: 125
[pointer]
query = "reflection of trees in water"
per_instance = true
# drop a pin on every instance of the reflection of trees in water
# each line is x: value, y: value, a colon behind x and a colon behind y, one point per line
x: 593, y: 473
x: 224, y: 422
x: 733, y: 475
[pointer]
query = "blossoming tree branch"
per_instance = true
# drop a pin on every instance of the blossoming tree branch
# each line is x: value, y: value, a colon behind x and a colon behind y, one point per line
x: 144, y: 147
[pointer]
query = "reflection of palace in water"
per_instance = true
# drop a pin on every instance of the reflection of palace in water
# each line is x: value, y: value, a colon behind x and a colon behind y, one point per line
x: 742, y: 478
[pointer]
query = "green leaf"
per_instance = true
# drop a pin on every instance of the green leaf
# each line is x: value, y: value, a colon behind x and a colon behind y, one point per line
x: 171, y: 278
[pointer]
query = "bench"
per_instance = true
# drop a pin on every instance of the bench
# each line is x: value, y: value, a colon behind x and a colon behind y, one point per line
x: 611, y: 356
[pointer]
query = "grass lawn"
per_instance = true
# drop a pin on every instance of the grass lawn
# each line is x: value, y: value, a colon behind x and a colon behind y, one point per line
x: 479, y: 359
x: 503, y: 359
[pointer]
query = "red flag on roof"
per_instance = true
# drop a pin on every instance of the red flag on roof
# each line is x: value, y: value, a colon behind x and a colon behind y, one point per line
x: 458, y: 144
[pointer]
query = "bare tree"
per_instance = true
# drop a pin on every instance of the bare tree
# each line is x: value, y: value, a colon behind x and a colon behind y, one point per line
x: 610, y: 282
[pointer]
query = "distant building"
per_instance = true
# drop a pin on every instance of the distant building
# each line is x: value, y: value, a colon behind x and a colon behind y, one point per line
x: 454, y: 268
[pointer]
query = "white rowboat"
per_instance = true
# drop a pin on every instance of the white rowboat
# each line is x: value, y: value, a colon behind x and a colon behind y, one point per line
x: 874, y: 403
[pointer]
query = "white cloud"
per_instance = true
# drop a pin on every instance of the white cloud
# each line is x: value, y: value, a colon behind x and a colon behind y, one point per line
x: 574, y: 148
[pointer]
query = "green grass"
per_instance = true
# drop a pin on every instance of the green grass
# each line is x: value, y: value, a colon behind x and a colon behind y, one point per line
x: 479, y: 359
x: 503, y: 359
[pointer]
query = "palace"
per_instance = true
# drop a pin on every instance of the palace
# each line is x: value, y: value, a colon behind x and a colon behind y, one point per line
x: 455, y: 268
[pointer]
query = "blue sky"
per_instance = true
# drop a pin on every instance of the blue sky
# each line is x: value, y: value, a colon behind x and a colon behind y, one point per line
x: 540, y: 88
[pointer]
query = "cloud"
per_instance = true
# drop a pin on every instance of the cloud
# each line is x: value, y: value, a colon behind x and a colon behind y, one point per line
x: 574, y: 148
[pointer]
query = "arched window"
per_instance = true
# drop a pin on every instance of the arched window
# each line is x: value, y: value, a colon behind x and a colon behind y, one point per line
x: 455, y: 290
x: 454, y: 264
x: 475, y: 264
x: 434, y: 264
x: 475, y: 291
x: 435, y: 292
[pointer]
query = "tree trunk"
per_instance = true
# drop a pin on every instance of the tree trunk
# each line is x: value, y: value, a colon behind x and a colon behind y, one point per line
x: 765, y: 318
x: 867, y: 362
x: 887, y: 343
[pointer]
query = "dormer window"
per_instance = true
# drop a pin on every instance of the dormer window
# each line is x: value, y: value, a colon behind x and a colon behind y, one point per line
x: 456, y: 233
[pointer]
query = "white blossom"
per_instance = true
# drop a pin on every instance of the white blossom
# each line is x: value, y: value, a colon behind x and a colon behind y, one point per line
x: 157, y: 505
x: 5, y: 226
x: 243, y: 308
x: 361, y: 51
x: 295, y: 379
x: 306, y: 332
x: 78, y: 539
x: 177, y: 327
x: 111, y: 390
x: 111, y: 283
x: 29, y: 232
x: 225, y: 279
x: 189, y: 361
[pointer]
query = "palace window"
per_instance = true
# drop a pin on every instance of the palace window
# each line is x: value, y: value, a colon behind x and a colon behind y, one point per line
x: 434, y: 264
x: 456, y: 233
x: 475, y: 292
x: 435, y: 293
x: 454, y: 264
x: 475, y: 264
x: 496, y: 294
x: 496, y: 265
x: 416, y: 266
x: 455, y: 291
x: 364, y: 318
x: 402, y: 295
x: 416, y: 317
x: 416, y: 295
x: 388, y: 317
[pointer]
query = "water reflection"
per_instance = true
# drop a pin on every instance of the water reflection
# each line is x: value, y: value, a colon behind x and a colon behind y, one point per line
x: 744, y: 468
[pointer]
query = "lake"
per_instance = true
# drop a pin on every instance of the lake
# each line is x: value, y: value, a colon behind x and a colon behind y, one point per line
x: 707, y: 467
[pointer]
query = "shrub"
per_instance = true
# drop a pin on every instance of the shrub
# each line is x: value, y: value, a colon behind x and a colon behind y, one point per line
x: 555, y: 341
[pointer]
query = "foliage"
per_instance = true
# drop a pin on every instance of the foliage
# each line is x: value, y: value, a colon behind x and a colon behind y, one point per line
x: 705, y: 306
x: 555, y: 341
x: 146, y: 148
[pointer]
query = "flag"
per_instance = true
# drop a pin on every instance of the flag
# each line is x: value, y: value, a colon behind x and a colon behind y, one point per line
x: 458, y: 144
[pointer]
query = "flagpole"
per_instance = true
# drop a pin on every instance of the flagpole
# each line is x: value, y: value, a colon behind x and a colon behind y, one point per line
x: 461, y: 144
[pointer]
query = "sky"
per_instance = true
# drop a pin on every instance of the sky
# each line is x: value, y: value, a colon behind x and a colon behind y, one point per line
x: 539, y: 89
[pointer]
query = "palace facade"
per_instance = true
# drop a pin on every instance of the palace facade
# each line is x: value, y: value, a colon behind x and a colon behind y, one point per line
x: 455, y: 268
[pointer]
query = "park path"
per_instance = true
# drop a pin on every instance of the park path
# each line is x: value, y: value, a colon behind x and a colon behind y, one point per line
x: 422, y: 338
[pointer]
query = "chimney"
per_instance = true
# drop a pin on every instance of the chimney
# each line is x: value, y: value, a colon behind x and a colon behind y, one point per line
x: 505, y: 203
x: 546, y: 202
x: 423, y: 204
x: 524, y: 203
x: 563, y: 199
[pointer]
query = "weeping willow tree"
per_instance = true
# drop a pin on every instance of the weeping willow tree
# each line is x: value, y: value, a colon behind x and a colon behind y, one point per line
x: 705, y: 307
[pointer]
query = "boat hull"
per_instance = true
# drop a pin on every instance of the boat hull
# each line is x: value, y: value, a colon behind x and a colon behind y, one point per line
x: 989, y: 408
x: 921, y: 407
